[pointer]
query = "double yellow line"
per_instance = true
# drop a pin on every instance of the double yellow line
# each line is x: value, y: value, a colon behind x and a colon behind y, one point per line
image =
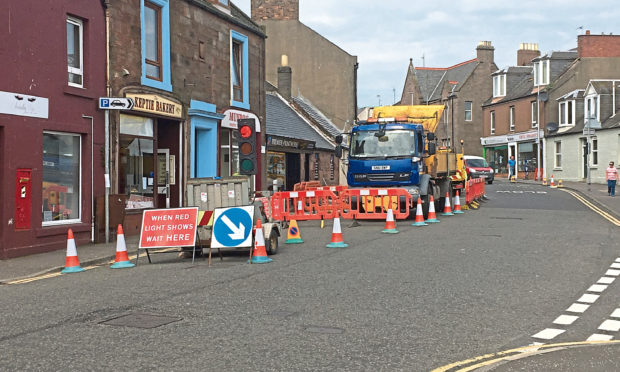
x: 596, y: 209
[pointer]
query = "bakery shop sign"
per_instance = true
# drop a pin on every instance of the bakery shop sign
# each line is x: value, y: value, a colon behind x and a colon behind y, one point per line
x: 154, y: 104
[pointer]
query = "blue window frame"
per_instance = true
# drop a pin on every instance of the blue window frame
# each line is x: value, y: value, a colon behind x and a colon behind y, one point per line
x: 203, y: 147
x: 155, y: 21
x: 239, y: 71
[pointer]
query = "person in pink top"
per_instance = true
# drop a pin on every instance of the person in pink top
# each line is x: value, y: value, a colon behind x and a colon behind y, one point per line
x: 611, y: 175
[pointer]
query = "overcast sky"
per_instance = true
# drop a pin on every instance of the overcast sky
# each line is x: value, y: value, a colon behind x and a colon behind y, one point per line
x: 385, y: 34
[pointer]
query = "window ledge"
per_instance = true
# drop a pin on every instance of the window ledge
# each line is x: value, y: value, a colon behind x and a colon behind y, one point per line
x: 51, y: 230
x: 80, y: 92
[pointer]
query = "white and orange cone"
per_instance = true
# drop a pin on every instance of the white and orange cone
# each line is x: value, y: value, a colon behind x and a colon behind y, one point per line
x: 432, y: 216
x: 72, y: 263
x: 259, y: 255
x: 337, y: 241
x: 457, y: 204
x: 447, y: 211
x: 552, y: 183
x: 390, y: 224
x: 419, y: 215
x: 122, y: 260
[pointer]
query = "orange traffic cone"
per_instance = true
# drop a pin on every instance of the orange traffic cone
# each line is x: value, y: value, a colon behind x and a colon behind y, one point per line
x: 432, y: 216
x: 447, y: 211
x: 419, y: 215
x: 337, y: 241
x: 390, y: 225
x: 259, y: 255
x: 72, y: 264
x: 294, y: 235
x: 457, y: 204
x: 122, y: 260
x: 551, y: 183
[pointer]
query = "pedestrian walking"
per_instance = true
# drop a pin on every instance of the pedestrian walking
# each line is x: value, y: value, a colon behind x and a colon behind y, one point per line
x: 611, y: 175
x: 511, y: 166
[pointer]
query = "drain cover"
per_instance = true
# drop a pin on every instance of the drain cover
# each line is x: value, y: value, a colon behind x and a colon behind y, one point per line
x: 141, y: 320
x: 328, y: 330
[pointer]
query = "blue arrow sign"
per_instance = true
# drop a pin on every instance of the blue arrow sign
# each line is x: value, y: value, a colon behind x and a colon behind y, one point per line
x: 232, y: 227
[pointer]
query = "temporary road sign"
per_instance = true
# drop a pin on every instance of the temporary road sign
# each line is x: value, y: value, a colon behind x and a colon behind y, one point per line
x: 174, y: 227
x: 232, y: 227
x: 113, y: 103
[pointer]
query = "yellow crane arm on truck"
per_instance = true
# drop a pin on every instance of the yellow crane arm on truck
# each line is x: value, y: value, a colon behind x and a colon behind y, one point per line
x: 427, y: 115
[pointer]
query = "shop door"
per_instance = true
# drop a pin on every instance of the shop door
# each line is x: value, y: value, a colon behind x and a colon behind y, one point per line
x: 292, y: 170
x: 307, y: 167
x: 169, y: 188
x: 163, y: 178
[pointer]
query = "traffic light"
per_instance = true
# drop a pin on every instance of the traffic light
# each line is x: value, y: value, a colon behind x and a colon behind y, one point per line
x: 247, y: 146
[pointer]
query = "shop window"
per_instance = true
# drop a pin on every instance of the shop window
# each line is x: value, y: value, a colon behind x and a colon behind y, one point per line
x: 512, y: 118
x: 557, y: 159
x: 136, y: 161
x: 229, y: 153
x: 468, y: 111
x: 61, y: 178
x: 156, y: 44
x: 75, y: 51
x: 492, y: 122
x: 239, y: 70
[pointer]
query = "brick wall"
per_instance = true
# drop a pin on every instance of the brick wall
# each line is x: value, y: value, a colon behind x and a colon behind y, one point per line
x: 598, y: 45
x: 275, y: 9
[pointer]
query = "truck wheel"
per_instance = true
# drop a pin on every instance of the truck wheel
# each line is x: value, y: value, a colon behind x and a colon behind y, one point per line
x: 271, y: 244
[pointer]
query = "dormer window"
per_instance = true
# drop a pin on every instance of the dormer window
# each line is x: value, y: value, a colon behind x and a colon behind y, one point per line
x: 567, y: 113
x: 499, y: 85
x: 541, y: 73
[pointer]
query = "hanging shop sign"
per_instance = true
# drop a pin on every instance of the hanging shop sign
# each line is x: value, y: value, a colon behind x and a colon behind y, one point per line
x: 290, y: 143
x: 525, y: 136
x: 154, y: 104
x: 24, y: 105
x: 232, y: 117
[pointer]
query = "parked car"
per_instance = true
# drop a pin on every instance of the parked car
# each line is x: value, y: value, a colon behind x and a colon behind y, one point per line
x: 478, y: 167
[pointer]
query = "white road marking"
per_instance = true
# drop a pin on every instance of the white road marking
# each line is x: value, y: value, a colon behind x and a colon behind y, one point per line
x: 597, y: 288
x: 606, y: 280
x: 610, y: 325
x: 549, y: 333
x: 615, y: 314
x: 618, y: 259
x: 599, y: 337
x: 612, y: 272
x: 578, y: 308
x: 588, y: 298
x: 615, y: 265
x: 565, y: 319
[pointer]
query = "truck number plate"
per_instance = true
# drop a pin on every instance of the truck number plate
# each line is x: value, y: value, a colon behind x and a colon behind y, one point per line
x: 380, y: 167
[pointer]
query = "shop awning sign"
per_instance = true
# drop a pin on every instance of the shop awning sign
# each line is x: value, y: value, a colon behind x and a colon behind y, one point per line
x: 173, y: 227
x: 232, y: 116
x: 232, y: 227
x: 155, y: 104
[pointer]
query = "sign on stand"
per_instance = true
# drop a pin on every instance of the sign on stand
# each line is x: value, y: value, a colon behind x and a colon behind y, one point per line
x: 232, y: 227
x: 166, y: 228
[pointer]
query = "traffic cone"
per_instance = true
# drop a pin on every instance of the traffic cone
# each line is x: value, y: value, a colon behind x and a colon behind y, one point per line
x: 551, y: 183
x: 337, y: 241
x: 294, y: 235
x: 447, y: 211
x: 419, y: 215
x: 432, y: 216
x: 457, y: 204
x: 72, y: 264
x: 390, y: 225
x: 259, y: 255
x: 122, y: 260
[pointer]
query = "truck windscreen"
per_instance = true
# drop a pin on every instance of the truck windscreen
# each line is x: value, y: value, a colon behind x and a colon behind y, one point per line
x: 364, y: 144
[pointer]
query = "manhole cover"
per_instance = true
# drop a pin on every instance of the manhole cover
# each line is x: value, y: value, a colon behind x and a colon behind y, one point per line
x: 141, y: 320
x: 328, y: 330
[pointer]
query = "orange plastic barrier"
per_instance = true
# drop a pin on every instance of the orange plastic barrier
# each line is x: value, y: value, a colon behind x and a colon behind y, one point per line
x: 304, y: 205
x: 374, y: 203
x: 307, y: 185
x: 474, y: 190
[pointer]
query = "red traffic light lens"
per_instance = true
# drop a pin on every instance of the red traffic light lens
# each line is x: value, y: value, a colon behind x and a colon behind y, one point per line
x: 245, y: 131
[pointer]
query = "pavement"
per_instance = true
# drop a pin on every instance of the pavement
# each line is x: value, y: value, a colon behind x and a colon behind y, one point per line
x: 95, y: 254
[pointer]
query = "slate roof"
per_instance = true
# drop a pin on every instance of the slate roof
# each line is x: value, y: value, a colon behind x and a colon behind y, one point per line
x: 613, y: 122
x: 236, y: 16
x: 283, y: 121
x: 431, y: 80
x: 519, y: 83
x: 317, y: 116
x: 601, y: 87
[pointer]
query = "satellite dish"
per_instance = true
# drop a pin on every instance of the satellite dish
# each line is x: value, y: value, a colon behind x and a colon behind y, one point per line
x: 552, y: 127
x: 543, y: 96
